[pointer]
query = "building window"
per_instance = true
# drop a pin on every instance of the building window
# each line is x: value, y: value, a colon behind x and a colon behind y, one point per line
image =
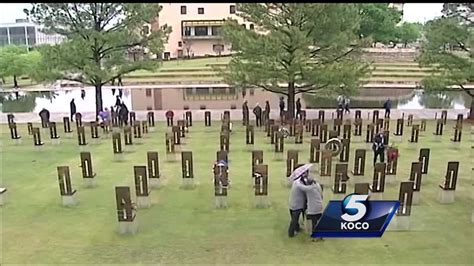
x: 183, y: 10
x: 232, y: 9
x: 202, y: 91
x: 148, y: 92
x: 200, y: 10
x: 149, y: 108
x: 180, y: 44
x: 251, y: 26
x: 244, y: 26
x: 216, y: 30
x: 187, y: 31
x: 200, y: 31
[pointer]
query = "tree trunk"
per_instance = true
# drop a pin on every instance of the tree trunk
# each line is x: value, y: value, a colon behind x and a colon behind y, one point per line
x: 15, y: 82
x: 471, y: 114
x: 98, y: 100
x: 291, y: 100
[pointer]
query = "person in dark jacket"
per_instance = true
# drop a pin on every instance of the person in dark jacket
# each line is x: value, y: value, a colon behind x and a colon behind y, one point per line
x: 44, y: 115
x: 298, y: 109
x: 72, y: 106
x: 245, y: 113
x: 117, y: 101
x: 123, y: 113
x: 282, y: 106
x: 266, y: 112
x: 257, y: 110
x: 379, y: 147
x: 387, y: 105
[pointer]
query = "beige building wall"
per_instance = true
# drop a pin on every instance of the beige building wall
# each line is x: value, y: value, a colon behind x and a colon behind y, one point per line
x: 171, y: 15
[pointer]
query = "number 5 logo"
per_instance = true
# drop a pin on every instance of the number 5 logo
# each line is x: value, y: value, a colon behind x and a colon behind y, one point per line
x: 353, y: 207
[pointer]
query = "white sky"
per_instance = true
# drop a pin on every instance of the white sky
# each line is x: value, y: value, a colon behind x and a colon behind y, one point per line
x: 412, y: 12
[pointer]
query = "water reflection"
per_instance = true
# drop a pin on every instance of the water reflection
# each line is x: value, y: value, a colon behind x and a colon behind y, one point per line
x: 58, y: 101
x: 417, y: 99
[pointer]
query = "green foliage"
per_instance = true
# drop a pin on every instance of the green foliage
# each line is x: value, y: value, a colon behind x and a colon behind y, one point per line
x: 378, y: 21
x: 100, y: 37
x: 16, y: 61
x: 297, y: 48
x: 408, y: 32
x: 454, y: 30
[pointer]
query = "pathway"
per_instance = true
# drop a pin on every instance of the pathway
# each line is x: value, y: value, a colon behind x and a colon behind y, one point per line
x: 236, y: 114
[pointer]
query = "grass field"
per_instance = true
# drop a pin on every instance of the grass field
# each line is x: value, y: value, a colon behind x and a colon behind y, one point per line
x: 182, y: 226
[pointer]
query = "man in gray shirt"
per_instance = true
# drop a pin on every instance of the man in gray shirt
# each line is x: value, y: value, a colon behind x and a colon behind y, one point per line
x: 305, y: 194
x: 314, y: 195
x: 297, y: 205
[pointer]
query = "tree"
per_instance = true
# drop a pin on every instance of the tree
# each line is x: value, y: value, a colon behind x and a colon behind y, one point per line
x: 15, y: 61
x: 408, y: 32
x: 379, y: 22
x: 456, y: 68
x: 299, y: 48
x: 99, y: 37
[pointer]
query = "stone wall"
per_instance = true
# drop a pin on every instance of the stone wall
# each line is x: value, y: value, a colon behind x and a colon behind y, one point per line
x: 390, y: 54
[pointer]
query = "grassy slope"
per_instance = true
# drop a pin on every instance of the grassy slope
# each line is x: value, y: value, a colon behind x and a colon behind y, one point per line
x: 183, y: 227
x: 201, y: 70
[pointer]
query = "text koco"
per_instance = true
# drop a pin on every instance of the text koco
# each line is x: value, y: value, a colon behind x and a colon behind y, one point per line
x: 356, y: 226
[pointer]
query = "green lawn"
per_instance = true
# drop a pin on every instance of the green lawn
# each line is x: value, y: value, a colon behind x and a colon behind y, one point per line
x: 182, y: 226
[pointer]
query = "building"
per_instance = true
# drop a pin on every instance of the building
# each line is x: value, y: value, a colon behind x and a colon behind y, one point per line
x: 398, y: 6
x: 23, y: 32
x: 218, y: 96
x: 196, y: 28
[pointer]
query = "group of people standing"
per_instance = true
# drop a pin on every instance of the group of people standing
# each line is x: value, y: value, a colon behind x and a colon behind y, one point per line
x: 343, y: 103
x: 260, y: 115
x: 105, y: 115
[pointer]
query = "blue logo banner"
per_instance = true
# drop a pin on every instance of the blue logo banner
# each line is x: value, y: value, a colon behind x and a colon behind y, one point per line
x: 355, y: 216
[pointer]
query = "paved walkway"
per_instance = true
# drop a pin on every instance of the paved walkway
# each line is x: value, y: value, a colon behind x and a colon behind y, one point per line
x: 201, y: 84
x: 198, y: 115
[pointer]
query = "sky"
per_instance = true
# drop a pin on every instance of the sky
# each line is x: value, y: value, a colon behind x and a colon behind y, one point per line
x: 412, y: 12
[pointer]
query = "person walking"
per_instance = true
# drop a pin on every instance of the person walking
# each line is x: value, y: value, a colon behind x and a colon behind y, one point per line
x: 257, y: 110
x: 282, y: 106
x: 123, y: 114
x: 297, y: 204
x: 117, y: 101
x: 72, y: 107
x: 346, y: 105
x: 387, y: 105
x: 266, y: 112
x: 379, y: 147
x: 245, y: 113
x: 44, y: 115
x: 298, y: 109
x: 340, y: 102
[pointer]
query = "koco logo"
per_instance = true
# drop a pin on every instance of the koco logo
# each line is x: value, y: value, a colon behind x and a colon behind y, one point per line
x: 354, y: 209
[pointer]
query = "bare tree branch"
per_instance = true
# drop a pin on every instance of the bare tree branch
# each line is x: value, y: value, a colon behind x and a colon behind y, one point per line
x: 268, y: 89
x: 468, y: 91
